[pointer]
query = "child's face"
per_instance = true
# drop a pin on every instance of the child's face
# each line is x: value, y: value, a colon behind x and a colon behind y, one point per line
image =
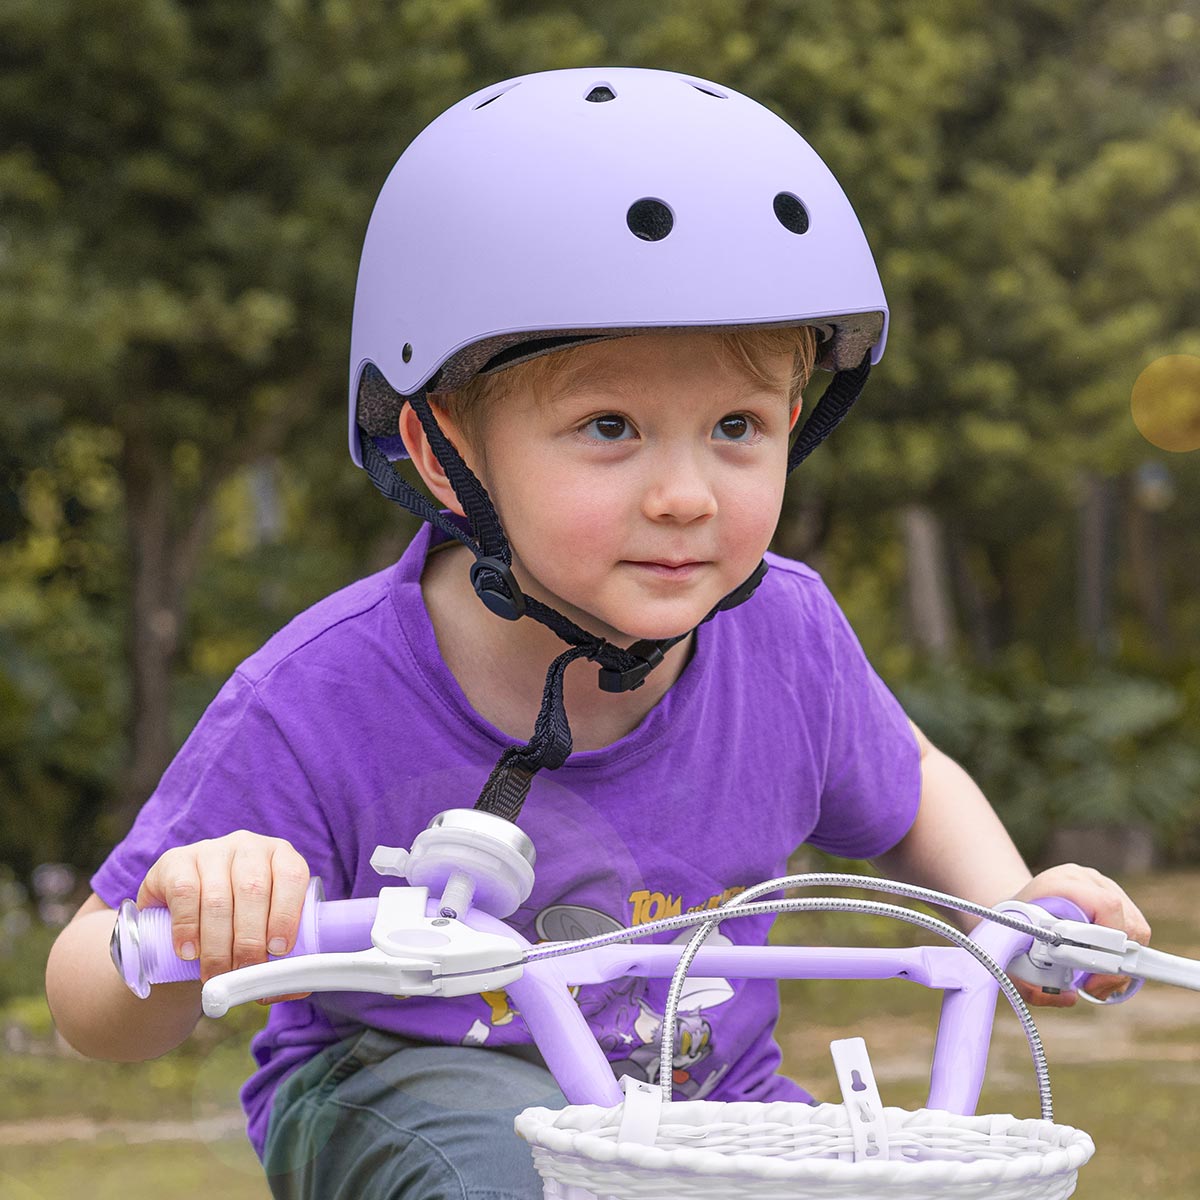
x: 648, y: 490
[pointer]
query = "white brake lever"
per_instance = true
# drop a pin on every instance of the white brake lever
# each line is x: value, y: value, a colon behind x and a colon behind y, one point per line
x: 1103, y: 951
x: 1098, y: 950
x: 413, y: 955
x: 358, y: 971
x: 1144, y: 963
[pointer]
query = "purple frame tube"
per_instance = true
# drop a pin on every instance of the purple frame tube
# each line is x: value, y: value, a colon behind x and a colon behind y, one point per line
x: 542, y: 996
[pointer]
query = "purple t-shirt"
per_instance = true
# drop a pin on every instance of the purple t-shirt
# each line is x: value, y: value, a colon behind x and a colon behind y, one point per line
x: 346, y: 731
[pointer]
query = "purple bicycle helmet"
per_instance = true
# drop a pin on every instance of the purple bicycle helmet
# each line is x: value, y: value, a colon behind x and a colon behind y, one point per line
x: 571, y: 204
x: 566, y: 206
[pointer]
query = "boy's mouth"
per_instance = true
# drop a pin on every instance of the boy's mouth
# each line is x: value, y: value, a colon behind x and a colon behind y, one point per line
x: 669, y: 569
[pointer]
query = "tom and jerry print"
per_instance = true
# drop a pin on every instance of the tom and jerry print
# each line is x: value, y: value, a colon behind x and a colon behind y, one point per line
x: 626, y: 1014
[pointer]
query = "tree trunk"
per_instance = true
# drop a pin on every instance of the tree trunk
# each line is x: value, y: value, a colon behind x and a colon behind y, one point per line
x: 162, y: 563
x: 931, y: 612
x: 1146, y: 568
x: 1001, y: 603
x: 977, y: 610
x: 152, y: 635
x: 1095, y: 564
x: 166, y: 533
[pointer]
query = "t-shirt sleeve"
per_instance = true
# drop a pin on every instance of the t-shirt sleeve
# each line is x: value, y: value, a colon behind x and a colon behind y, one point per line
x: 236, y: 770
x: 872, y: 785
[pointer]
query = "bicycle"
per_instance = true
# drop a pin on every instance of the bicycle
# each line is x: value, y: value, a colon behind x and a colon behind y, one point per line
x: 631, y: 1139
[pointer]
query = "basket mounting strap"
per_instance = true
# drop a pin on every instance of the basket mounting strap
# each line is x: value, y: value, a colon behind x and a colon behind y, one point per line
x: 640, y: 1112
x: 860, y: 1096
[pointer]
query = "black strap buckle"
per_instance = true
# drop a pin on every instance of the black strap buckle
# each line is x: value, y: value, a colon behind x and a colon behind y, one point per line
x: 743, y: 592
x: 495, y: 586
x: 614, y: 680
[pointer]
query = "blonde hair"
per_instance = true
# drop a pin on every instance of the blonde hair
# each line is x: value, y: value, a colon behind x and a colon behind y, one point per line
x: 745, y: 349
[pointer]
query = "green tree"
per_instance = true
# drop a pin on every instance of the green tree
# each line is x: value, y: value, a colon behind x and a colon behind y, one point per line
x: 183, y: 191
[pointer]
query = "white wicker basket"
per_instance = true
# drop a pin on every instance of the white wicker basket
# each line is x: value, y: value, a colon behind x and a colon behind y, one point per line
x: 707, y: 1150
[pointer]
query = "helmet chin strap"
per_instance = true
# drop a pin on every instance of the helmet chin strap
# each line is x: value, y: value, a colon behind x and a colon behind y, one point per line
x: 621, y: 669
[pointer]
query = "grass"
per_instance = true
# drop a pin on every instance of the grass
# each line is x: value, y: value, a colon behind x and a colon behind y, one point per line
x: 198, y: 1080
x: 1127, y: 1075
x: 116, y: 1170
x: 92, y: 1120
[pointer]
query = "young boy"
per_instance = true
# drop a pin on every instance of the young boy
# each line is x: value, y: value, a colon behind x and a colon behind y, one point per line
x: 613, y: 286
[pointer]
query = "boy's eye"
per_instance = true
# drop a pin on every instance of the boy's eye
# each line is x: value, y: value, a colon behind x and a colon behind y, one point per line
x: 735, y: 428
x: 609, y: 428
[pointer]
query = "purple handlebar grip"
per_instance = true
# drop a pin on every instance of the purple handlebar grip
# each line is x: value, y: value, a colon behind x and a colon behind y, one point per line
x: 144, y: 954
x: 1065, y: 910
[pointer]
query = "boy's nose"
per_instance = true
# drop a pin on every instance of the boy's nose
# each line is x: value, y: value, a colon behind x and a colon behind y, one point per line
x: 679, y: 492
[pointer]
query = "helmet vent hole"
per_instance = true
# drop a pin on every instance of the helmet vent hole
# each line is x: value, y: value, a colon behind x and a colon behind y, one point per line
x: 791, y: 213
x: 600, y: 93
x: 709, y: 91
x: 496, y: 96
x: 406, y: 353
x: 651, y: 220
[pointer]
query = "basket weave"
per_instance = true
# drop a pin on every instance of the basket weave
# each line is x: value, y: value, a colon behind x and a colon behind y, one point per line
x: 709, y: 1150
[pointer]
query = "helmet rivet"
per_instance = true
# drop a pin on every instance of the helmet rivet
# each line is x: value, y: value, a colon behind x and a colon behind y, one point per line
x: 651, y: 220
x: 791, y: 212
x: 406, y: 353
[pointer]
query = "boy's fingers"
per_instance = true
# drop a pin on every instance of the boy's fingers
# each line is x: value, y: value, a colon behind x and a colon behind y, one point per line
x: 276, y: 999
x: 289, y: 881
x: 250, y: 882
x: 1135, y: 925
x: 1103, y: 899
x: 1036, y: 998
x: 1103, y: 986
x: 216, y: 915
x: 173, y: 881
x: 1115, y: 909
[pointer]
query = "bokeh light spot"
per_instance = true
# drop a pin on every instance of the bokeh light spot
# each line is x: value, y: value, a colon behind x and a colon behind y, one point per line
x: 1166, y: 402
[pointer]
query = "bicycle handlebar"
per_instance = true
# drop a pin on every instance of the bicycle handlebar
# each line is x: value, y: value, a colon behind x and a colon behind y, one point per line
x: 403, y: 943
x: 438, y: 955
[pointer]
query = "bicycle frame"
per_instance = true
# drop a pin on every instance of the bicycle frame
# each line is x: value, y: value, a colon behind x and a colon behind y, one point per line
x: 541, y: 989
x: 576, y: 1061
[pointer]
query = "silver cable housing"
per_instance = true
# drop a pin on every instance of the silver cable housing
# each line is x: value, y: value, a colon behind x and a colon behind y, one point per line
x: 744, y: 905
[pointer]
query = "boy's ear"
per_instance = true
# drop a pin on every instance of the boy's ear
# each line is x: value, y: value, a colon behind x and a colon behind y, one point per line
x: 794, y: 416
x: 424, y: 459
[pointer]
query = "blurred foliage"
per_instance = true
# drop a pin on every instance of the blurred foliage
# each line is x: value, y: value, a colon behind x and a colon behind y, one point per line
x: 24, y: 946
x: 183, y: 191
x: 1110, y: 750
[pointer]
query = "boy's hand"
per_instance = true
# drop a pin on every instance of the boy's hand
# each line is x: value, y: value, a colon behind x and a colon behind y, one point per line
x: 232, y: 899
x: 1105, y: 903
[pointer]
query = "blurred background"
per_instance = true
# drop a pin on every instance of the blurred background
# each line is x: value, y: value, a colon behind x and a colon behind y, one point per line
x: 1011, y: 519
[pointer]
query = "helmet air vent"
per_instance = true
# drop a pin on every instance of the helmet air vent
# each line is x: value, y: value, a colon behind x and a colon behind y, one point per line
x: 791, y: 213
x: 651, y: 220
x: 495, y: 96
x: 600, y: 93
x: 708, y: 91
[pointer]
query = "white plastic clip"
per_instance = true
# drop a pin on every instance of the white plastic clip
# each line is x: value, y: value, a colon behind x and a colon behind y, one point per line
x: 640, y: 1112
x: 390, y: 860
x: 860, y: 1095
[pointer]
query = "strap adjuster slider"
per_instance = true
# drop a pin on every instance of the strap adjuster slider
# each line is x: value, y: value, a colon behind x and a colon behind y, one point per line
x: 494, y: 584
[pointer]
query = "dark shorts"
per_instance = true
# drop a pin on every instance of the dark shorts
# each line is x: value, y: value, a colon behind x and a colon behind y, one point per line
x: 376, y: 1117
